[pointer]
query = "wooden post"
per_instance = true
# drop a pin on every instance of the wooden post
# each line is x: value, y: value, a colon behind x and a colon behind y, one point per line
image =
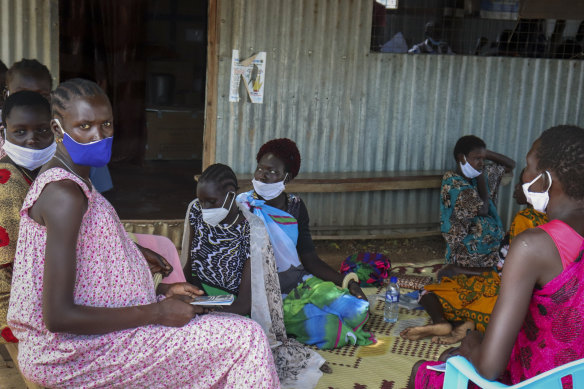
x: 211, y: 92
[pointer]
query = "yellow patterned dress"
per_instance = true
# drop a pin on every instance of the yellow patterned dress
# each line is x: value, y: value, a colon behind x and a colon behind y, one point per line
x: 472, y: 298
x: 14, y: 184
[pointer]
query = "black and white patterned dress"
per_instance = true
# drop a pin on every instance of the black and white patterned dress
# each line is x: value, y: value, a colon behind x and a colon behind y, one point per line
x: 219, y: 253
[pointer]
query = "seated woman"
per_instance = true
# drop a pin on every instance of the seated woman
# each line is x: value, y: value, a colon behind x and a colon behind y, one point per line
x: 469, y: 220
x: 321, y: 307
x: 83, y: 304
x: 26, y: 119
x: 461, y: 297
x: 536, y: 324
x: 230, y: 253
x: 473, y: 232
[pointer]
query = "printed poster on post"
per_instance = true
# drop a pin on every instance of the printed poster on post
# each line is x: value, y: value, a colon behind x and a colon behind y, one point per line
x: 252, y: 70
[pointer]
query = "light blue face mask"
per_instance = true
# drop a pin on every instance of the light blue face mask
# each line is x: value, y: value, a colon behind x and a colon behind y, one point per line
x: 96, y: 154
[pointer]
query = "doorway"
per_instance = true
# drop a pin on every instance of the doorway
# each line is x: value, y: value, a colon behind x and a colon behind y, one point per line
x: 150, y: 58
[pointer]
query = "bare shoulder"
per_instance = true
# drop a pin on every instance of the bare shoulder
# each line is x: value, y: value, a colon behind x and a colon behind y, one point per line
x: 534, y: 251
x: 59, y: 199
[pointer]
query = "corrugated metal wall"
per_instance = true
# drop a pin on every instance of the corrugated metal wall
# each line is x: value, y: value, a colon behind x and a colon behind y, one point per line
x: 30, y: 29
x: 352, y: 110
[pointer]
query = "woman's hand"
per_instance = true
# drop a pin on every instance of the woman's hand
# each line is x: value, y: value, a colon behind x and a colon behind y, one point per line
x: 173, y: 312
x: 356, y: 291
x: 182, y: 289
x: 156, y: 262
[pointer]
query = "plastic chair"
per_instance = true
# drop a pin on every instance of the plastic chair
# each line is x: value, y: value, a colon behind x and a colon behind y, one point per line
x: 459, y: 371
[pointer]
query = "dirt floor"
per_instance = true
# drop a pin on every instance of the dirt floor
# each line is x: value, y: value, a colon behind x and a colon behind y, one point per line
x: 332, y: 252
x: 397, y: 250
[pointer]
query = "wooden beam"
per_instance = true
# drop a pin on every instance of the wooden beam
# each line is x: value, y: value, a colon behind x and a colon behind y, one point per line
x: 211, y: 89
x: 361, y: 182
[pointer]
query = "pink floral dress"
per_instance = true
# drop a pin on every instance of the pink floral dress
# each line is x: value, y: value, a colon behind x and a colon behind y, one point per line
x: 215, y: 350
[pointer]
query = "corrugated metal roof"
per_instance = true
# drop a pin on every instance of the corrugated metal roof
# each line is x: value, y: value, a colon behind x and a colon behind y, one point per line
x: 352, y: 110
x: 30, y: 29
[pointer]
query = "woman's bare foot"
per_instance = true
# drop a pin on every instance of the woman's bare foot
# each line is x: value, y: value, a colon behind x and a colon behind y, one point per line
x: 412, y: 380
x: 420, y: 332
x: 456, y: 335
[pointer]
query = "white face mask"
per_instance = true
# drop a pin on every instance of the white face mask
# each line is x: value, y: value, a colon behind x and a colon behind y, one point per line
x: 28, y: 158
x: 468, y: 170
x: 213, y: 216
x: 269, y: 191
x: 539, y: 200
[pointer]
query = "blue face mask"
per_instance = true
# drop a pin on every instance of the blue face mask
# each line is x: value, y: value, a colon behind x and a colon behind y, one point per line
x: 96, y: 154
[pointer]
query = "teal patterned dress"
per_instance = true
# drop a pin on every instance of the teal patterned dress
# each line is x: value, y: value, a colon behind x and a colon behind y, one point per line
x: 471, y: 240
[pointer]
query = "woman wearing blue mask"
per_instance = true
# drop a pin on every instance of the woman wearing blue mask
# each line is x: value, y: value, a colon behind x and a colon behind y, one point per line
x: 29, y: 143
x: 83, y: 304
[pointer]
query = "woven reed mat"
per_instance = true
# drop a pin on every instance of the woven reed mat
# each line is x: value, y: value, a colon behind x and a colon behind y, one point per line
x: 388, y: 363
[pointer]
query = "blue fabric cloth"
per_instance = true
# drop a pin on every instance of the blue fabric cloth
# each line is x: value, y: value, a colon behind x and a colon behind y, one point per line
x: 100, y: 178
x: 282, y: 229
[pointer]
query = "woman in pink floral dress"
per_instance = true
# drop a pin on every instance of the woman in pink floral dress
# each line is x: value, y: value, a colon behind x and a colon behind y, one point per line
x: 83, y: 304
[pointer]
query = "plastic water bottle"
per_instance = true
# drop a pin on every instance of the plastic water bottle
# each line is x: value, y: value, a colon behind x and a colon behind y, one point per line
x: 391, y: 309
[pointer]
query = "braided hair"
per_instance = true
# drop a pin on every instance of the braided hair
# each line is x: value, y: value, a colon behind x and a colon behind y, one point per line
x: 72, y: 89
x: 31, y: 68
x: 560, y: 150
x: 468, y: 143
x: 220, y: 174
x: 286, y: 150
x: 25, y: 98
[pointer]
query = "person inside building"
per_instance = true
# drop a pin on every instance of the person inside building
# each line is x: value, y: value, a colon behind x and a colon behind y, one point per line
x: 83, y: 295
x: 433, y: 43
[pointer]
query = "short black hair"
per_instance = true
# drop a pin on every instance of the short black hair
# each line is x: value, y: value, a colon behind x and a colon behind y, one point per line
x: 220, y: 174
x: 71, y: 89
x: 561, y: 150
x: 24, y: 98
x: 286, y: 150
x: 29, y: 67
x: 468, y: 143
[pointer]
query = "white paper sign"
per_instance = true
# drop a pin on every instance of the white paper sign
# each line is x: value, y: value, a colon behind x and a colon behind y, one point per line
x: 252, y: 70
